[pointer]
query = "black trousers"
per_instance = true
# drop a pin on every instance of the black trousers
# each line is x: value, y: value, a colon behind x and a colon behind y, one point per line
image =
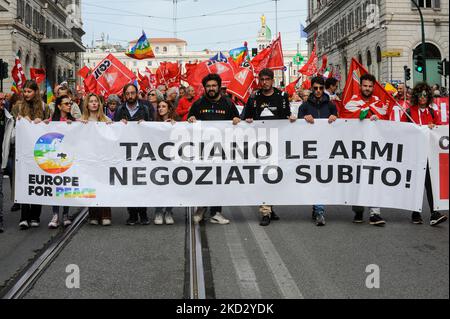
x: 30, y: 212
x: 137, y: 211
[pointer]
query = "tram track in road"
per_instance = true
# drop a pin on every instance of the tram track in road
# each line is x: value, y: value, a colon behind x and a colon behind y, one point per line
x: 199, y: 282
x: 19, y: 286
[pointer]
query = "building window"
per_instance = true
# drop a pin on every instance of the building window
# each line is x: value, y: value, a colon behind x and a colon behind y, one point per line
x: 49, y: 29
x: 157, y: 50
x: 165, y: 49
x: 28, y: 17
x: 54, y: 32
x: 20, y: 9
x: 149, y: 63
x: 360, y: 59
x: 428, y: 4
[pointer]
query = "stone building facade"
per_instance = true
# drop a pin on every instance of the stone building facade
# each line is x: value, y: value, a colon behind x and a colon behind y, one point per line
x: 43, y: 34
x: 367, y: 29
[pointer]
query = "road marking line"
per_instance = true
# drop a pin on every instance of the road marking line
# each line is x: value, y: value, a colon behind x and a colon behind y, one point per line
x: 283, y: 278
x: 248, y: 284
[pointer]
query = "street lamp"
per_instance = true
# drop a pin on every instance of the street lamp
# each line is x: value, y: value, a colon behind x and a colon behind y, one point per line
x: 423, y: 40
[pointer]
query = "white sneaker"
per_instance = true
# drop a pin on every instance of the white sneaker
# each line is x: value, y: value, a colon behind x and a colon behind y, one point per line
x: 24, y: 225
x: 93, y: 222
x: 54, y: 223
x: 169, y: 218
x: 106, y: 222
x: 198, y: 215
x: 158, y: 219
x: 66, y: 221
x: 219, y: 219
x: 34, y: 224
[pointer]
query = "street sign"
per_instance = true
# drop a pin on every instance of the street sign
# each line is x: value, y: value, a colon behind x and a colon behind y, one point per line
x: 392, y: 54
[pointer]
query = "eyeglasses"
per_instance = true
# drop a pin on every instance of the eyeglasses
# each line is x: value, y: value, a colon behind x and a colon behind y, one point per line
x: 318, y: 88
x: 423, y: 94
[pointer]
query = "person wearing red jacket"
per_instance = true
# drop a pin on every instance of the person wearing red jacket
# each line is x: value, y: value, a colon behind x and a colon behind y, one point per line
x: 421, y: 113
x: 185, y: 103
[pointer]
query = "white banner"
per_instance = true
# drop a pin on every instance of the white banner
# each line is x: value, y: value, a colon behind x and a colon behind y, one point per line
x: 379, y: 164
x: 438, y: 159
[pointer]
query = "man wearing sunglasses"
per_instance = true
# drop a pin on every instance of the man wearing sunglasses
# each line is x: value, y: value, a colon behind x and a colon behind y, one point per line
x: 318, y: 106
x: 269, y: 103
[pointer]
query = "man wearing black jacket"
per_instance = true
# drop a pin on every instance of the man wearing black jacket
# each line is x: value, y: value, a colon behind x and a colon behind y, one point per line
x: 318, y: 106
x: 269, y: 103
x: 213, y: 107
x: 134, y: 110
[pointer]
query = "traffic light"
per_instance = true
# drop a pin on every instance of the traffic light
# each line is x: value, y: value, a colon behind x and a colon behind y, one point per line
x: 3, y: 69
x: 441, y: 67
x: 407, y: 73
x: 420, y: 63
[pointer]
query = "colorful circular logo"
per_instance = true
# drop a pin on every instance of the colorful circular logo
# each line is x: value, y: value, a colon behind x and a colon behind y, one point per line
x: 50, y: 155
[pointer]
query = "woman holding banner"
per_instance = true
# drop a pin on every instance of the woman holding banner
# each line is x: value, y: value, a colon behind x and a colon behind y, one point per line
x: 422, y: 113
x: 93, y: 112
x: 33, y: 109
x: 165, y: 113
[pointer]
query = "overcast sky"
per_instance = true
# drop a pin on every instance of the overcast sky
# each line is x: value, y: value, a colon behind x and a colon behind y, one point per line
x: 211, y: 24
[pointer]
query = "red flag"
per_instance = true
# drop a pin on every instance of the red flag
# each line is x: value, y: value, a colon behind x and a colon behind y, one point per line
x: 144, y: 82
x: 168, y: 74
x: 190, y: 69
x: 290, y: 89
x: 226, y: 70
x: 242, y: 84
x: 310, y: 68
x: 84, y: 72
x: 38, y: 75
x: 109, y: 77
x: 271, y: 57
x: 18, y: 74
x: 441, y: 106
x: 380, y: 104
x: 306, y: 85
x: 324, y: 64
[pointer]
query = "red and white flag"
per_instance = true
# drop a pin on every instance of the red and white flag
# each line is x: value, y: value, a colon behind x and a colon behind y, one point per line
x: 353, y: 105
x: 18, y: 74
x: 271, y: 57
x: 84, y: 72
x: 242, y: 84
x: 310, y: 68
x: 168, y: 74
x: 109, y: 77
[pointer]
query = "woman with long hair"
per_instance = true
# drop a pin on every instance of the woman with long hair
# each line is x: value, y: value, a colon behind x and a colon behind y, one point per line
x: 165, y: 113
x: 93, y: 112
x: 421, y: 112
x: 63, y: 107
x: 33, y: 109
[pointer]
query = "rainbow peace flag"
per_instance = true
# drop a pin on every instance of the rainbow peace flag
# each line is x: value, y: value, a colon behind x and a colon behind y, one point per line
x: 50, y: 96
x: 239, y: 55
x: 14, y: 88
x: 141, y: 50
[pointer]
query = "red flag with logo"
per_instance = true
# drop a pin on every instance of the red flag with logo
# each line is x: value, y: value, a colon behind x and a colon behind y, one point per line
x: 324, y: 64
x: 168, y: 74
x: 271, y: 57
x: 144, y: 82
x: 381, y: 103
x: 441, y: 105
x: 18, y: 74
x: 310, y: 68
x: 109, y: 77
x: 242, y: 83
x: 38, y: 75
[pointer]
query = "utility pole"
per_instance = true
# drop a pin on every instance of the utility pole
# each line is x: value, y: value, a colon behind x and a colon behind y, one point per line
x: 423, y: 40
x: 276, y: 17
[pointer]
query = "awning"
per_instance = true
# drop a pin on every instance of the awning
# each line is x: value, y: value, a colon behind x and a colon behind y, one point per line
x: 63, y: 45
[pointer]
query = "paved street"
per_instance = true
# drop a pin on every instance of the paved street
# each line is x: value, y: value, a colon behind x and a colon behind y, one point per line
x: 291, y: 258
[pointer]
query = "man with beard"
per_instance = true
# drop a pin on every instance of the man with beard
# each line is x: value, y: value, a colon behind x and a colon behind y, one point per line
x: 213, y: 107
x: 134, y: 110
x: 269, y: 103
x: 367, y: 103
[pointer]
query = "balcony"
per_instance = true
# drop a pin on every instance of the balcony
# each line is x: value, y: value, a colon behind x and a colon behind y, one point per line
x: 63, y: 45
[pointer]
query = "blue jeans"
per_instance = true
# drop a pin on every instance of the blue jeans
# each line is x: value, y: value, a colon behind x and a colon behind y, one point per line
x: 319, y: 209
